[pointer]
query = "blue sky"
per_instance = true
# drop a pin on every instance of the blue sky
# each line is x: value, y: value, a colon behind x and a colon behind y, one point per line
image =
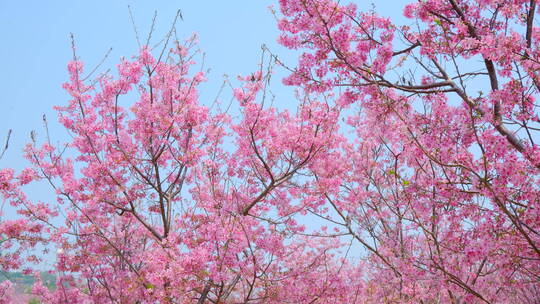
x: 36, y: 47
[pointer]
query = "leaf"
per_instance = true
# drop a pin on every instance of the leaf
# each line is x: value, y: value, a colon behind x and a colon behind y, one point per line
x: 149, y: 286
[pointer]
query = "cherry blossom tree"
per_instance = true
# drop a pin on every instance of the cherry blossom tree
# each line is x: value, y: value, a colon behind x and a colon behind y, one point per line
x: 438, y: 179
x: 409, y: 171
x: 153, y: 206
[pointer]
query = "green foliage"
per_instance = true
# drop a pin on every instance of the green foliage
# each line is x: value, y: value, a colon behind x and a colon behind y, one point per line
x: 26, y: 281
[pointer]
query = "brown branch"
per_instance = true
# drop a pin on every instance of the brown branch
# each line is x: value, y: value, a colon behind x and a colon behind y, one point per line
x: 530, y: 20
x: 204, y: 294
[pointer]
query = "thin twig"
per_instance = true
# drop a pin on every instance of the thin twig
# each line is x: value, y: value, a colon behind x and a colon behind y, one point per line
x: 7, y: 143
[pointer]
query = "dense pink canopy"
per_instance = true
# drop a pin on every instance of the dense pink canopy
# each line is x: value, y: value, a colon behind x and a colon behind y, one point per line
x: 408, y: 173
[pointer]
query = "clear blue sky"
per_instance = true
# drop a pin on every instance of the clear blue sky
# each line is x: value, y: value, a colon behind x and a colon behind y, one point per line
x: 36, y: 47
